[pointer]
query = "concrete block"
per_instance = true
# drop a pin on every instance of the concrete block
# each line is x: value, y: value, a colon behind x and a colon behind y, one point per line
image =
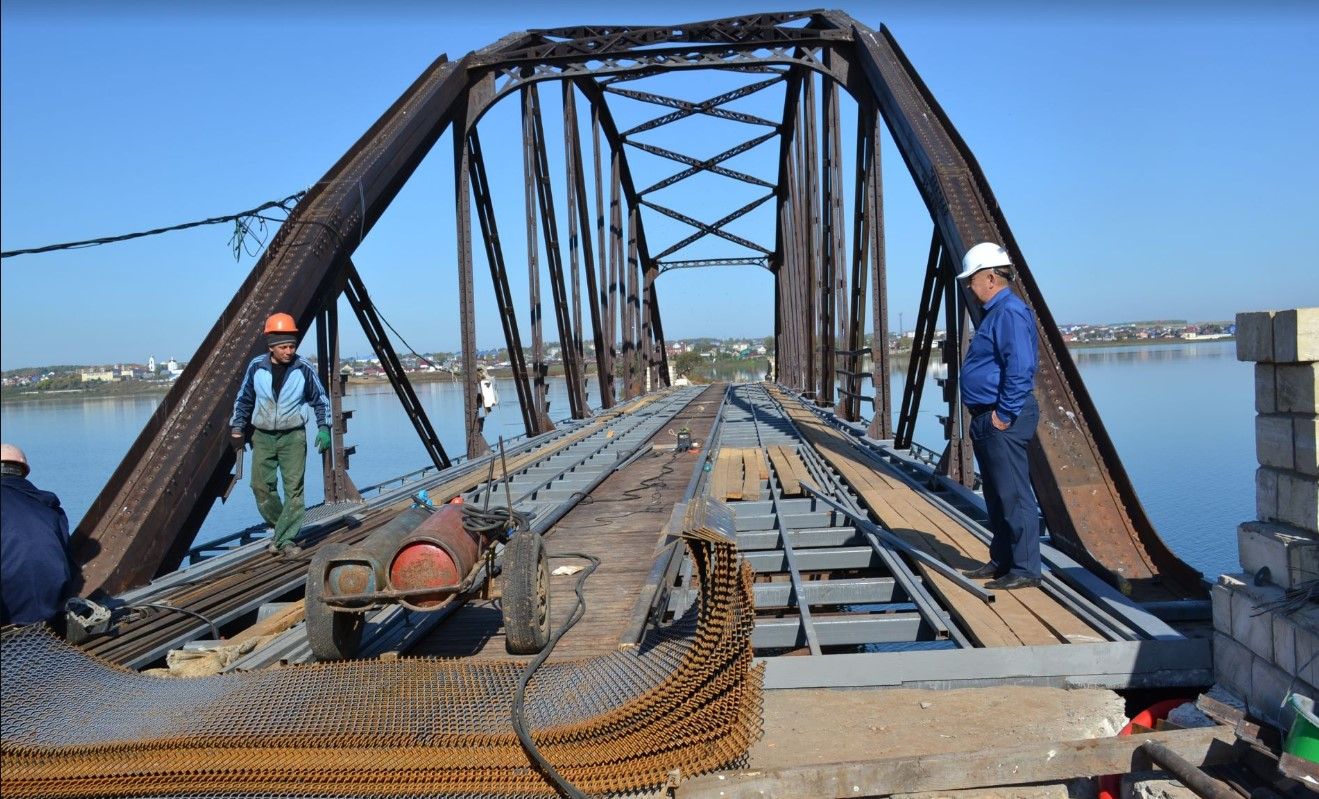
x: 1291, y: 554
x: 1266, y: 388
x: 1294, y: 388
x: 1305, y: 446
x: 1232, y: 665
x: 1266, y: 494
x: 1275, y: 443
x: 1296, y: 643
x: 1252, y: 626
x: 1269, y: 687
x: 1220, y: 602
x: 1255, y: 336
x: 1298, y: 500
x: 1296, y: 335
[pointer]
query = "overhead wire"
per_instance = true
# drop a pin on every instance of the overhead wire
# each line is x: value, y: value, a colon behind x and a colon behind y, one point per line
x: 241, y: 232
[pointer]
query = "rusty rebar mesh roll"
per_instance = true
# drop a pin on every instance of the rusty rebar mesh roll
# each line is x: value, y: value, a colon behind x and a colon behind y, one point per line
x: 688, y: 699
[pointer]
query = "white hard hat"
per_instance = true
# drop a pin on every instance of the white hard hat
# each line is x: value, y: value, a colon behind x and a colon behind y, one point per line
x: 985, y: 255
x: 12, y: 454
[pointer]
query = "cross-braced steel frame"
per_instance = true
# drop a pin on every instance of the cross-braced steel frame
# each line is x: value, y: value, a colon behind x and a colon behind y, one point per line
x: 828, y: 266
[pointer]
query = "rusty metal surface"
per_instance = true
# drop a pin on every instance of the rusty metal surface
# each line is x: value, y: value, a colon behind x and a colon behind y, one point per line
x: 687, y: 699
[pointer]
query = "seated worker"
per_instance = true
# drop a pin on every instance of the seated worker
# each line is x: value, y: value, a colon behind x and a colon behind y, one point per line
x: 36, y: 573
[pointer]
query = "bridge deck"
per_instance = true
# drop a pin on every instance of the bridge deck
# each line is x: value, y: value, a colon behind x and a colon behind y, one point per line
x: 619, y: 523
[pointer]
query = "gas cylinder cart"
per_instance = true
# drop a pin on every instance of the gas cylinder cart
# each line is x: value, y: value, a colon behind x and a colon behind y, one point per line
x: 421, y: 559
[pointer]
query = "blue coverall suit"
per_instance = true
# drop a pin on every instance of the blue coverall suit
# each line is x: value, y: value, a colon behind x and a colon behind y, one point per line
x: 998, y: 374
x: 36, y: 573
x: 279, y: 437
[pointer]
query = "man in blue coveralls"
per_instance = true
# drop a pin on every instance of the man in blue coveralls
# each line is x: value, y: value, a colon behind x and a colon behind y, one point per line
x: 998, y: 375
x: 36, y: 573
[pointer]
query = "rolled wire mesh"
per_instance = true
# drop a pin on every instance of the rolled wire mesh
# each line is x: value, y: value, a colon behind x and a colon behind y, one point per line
x: 687, y: 699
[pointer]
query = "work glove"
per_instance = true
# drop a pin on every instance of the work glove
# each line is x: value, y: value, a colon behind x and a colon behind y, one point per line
x: 236, y: 439
x: 322, y: 439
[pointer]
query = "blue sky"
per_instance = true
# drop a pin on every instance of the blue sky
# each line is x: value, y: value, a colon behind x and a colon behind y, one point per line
x: 1154, y: 160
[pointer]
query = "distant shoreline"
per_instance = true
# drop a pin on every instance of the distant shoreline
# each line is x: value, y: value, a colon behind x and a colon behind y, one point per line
x: 156, y: 389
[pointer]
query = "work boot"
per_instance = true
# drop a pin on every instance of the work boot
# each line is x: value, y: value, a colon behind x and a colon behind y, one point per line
x: 1011, y: 582
x: 291, y: 550
x: 984, y: 572
x: 272, y: 548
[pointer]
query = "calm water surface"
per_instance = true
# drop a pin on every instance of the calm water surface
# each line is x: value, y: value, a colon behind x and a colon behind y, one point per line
x: 1181, y: 417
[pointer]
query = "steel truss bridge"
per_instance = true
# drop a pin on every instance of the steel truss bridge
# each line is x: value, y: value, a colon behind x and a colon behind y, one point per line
x: 829, y: 271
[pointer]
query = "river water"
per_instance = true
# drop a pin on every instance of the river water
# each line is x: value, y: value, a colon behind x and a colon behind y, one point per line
x: 1181, y: 417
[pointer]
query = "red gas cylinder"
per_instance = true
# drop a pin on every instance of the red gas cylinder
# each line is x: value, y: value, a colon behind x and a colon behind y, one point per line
x: 439, y: 554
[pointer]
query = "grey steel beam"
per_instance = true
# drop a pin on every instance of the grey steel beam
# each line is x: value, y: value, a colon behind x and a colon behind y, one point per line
x: 848, y: 630
x: 1116, y: 665
x: 812, y: 538
x: 857, y: 591
x: 810, y: 560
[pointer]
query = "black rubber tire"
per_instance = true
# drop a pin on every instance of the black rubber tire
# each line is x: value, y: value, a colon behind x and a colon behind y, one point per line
x: 332, y: 635
x: 526, y: 594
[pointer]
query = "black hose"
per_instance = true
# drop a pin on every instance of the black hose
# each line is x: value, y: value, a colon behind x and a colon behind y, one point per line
x: 215, y: 631
x: 494, y: 523
x: 560, y: 782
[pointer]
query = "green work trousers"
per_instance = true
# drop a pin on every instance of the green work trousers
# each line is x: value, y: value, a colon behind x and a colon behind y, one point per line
x: 283, y: 452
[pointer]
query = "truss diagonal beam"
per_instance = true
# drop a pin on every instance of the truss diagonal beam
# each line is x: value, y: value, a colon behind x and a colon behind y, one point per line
x: 707, y: 165
x: 708, y: 107
x: 715, y: 228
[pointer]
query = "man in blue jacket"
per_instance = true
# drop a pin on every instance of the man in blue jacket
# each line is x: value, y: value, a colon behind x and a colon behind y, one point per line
x: 998, y: 376
x: 36, y: 574
x: 276, y: 390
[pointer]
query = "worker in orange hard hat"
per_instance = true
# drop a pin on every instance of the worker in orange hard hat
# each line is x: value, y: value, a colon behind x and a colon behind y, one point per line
x: 36, y: 572
x: 277, y: 390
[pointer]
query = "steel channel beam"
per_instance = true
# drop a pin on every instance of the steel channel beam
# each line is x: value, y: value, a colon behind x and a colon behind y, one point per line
x: 859, y: 591
x: 539, y: 369
x: 850, y: 630
x: 923, y: 338
x: 760, y: 540
x: 476, y: 443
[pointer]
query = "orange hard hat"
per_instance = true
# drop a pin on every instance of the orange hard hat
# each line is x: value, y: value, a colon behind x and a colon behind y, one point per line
x: 281, y: 323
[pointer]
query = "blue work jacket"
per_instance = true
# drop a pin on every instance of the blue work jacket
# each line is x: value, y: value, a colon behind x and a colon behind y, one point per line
x: 256, y: 403
x: 36, y: 573
x: 1000, y: 364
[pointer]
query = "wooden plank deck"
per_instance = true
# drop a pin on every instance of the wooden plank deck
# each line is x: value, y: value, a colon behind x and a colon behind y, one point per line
x: 620, y: 523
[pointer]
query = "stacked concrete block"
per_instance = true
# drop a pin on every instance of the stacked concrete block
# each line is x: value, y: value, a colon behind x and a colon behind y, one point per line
x: 1265, y: 649
x: 1284, y: 345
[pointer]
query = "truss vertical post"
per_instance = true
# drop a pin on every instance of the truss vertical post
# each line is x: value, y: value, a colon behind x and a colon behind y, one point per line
x: 831, y: 208
x: 476, y: 443
x: 650, y: 375
x: 604, y: 343
x: 811, y: 216
x: 881, y: 422
x: 365, y: 310
x: 632, y: 309
x: 577, y: 188
x: 617, y: 309
x: 494, y: 252
x: 850, y: 405
x: 784, y: 240
x: 570, y: 156
x: 958, y: 460
x: 657, y: 328
x: 549, y: 225
x: 539, y: 369
x: 926, y: 320
x: 334, y: 461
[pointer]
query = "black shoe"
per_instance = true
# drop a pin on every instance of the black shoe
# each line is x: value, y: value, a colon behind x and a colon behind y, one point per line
x: 984, y: 572
x: 1010, y: 582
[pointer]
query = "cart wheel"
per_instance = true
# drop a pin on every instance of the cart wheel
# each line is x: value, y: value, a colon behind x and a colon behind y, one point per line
x: 526, y: 590
x: 332, y: 635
